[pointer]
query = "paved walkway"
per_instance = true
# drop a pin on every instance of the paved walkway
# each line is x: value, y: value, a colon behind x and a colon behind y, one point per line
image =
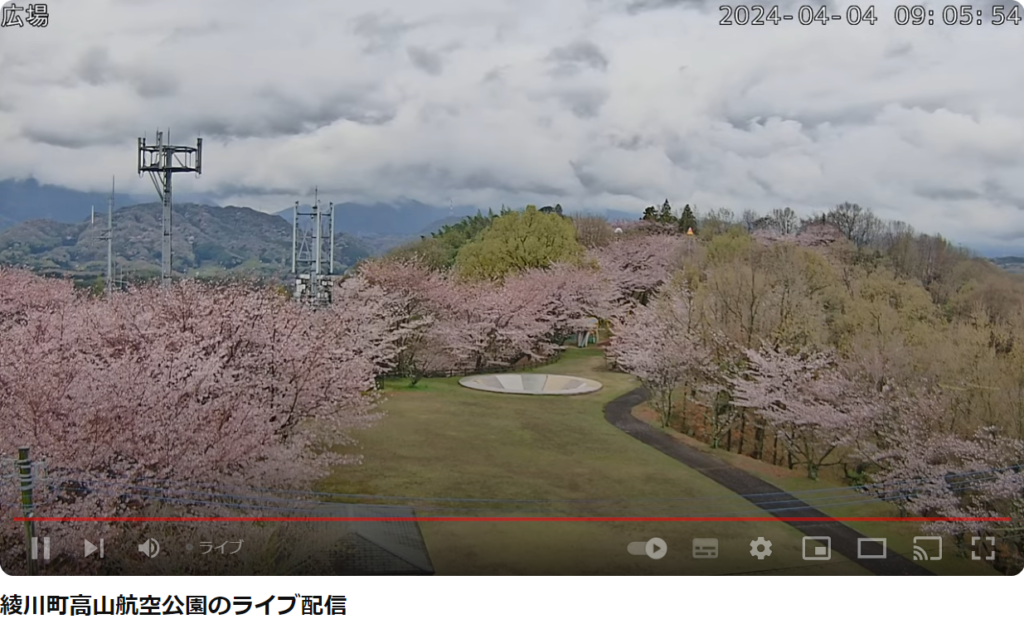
x: 770, y: 498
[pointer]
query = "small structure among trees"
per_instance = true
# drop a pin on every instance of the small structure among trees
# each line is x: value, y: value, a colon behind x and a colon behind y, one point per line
x: 587, y: 333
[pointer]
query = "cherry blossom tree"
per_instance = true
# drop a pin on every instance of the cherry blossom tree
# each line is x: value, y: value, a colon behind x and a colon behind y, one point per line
x: 928, y: 471
x: 810, y: 404
x: 567, y: 296
x: 415, y: 295
x: 193, y: 386
x: 497, y: 325
x: 21, y: 292
x: 454, y: 324
x: 718, y: 363
x: 661, y: 345
x: 811, y: 235
x: 638, y: 266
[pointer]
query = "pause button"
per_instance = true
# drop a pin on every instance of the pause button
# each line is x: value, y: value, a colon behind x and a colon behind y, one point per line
x: 46, y: 548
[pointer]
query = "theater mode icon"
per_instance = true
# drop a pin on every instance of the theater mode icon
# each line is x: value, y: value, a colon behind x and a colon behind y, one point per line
x: 872, y: 548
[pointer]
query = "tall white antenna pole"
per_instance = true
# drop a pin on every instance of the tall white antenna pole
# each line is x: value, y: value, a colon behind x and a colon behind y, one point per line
x: 110, y: 240
x: 330, y: 268
x: 295, y: 233
x: 318, y: 240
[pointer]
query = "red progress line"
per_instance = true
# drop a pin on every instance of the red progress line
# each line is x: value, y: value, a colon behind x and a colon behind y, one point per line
x: 507, y: 519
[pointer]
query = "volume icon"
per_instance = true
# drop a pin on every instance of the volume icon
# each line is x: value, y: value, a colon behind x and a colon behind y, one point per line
x: 150, y: 548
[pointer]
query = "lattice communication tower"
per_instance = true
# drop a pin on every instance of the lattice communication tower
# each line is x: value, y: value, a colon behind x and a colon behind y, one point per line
x: 313, y: 252
x: 161, y: 161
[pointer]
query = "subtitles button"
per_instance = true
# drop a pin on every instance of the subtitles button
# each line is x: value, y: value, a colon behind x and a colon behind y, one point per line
x: 705, y: 548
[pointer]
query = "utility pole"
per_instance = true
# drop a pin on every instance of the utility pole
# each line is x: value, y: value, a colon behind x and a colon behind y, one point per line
x: 27, y: 508
x: 161, y: 161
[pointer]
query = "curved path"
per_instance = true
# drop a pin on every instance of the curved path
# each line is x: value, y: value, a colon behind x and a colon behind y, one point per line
x: 619, y: 413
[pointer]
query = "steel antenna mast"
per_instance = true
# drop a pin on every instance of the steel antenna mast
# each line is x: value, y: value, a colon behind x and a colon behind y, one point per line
x: 162, y: 161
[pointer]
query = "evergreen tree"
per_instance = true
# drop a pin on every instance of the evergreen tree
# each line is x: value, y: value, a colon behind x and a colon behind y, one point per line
x: 687, y: 220
x: 665, y: 215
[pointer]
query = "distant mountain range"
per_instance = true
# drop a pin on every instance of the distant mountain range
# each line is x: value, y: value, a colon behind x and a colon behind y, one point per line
x: 406, y: 218
x: 47, y: 227
x: 24, y: 200
x: 208, y: 241
x: 1013, y: 264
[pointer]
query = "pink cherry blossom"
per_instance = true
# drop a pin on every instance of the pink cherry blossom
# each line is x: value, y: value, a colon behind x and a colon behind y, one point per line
x: 815, y: 409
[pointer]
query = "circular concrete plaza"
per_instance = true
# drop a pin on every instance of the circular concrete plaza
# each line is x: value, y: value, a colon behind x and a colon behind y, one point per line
x: 531, y: 384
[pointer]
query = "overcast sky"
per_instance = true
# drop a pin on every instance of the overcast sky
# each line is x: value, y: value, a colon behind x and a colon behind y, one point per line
x: 590, y: 103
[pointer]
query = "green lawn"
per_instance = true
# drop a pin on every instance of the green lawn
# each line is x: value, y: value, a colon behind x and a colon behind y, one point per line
x: 442, y: 440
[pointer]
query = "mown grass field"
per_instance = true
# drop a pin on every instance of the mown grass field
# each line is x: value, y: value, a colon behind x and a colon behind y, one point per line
x: 552, y: 456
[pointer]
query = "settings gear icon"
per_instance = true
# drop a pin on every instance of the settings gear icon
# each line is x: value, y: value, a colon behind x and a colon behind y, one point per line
x: 760, y: 548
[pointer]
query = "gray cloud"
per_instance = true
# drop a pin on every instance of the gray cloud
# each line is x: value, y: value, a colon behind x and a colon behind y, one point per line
x: 425, y: 60
x: 584, y: 104
x: 252, y: 189
x: 637, y: 7
x: 192, y: 31
x: 41, y: 135
x: 96, y: 68
x: 897, y: 49
x: 643, y: 6
x: 488, y: 103
x: 950, y: 195
x: 998, y: 193
x: 287, y: 114
x: 495, y: 75
x: 381, y: 30
x: 575, y: 57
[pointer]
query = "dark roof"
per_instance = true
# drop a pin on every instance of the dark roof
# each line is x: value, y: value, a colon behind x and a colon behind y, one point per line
x: 363, y: 548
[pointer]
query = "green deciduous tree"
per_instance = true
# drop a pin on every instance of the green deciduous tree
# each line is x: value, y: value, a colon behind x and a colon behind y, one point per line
x: 438, y: 251
x: 517, y: 241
